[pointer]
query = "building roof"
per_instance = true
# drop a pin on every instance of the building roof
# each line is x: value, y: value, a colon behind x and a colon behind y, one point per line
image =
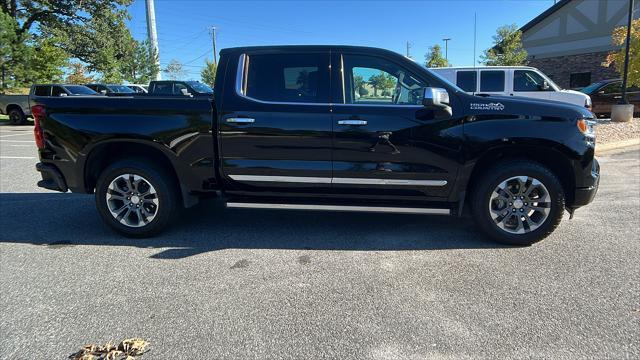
x: 544, y: 15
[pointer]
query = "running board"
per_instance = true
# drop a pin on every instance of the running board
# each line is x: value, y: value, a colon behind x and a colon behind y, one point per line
x: 377, y: 209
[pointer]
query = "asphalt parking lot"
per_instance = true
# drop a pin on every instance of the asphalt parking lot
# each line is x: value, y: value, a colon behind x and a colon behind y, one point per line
x: 249, y: 284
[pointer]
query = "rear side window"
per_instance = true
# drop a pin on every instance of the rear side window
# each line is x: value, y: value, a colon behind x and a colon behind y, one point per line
x: 288, y: 77
x: 42, y: 91
x: 492, y: 80
x: 467, y: 80
x: 163, y: 89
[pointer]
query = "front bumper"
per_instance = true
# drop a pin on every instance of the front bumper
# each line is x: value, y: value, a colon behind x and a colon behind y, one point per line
x: 52, y: 179
x: 584, y: 195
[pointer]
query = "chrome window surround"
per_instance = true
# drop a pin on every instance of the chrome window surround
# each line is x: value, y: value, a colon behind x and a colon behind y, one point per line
x: 328, y: 180
x: 241, y: 89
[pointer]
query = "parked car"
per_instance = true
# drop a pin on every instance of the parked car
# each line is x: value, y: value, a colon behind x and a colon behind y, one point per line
x: 18, y: 107
x: 179, y: 88
x: 111, y: 89
x: 140, y: 89
x: 285, y: 130
x: 609, y: 92
x: 522, y: 81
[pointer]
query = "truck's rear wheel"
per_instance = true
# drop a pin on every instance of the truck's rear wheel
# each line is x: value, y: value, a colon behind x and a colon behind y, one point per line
x: 518, y: 202
x: 136, y: 199
x: 17, y: 117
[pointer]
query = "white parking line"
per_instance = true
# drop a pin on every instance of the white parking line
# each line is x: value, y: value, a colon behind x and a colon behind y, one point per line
x: 25, y: 145
x: 17, y: 157
x: 4, y: 136
x: 17, y: 141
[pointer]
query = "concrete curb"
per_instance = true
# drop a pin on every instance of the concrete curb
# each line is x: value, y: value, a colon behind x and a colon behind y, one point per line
x: 601, y: 148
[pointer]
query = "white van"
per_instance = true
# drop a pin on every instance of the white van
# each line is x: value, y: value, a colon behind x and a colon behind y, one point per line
x: 522, y: 81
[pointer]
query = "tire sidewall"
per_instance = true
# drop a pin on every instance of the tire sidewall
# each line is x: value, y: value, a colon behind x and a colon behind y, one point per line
x: 158, y: 179
x: 501, y: 173
x: 18, y: 119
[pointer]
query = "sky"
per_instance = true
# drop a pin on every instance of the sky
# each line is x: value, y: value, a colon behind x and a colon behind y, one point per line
x: 183, y: 26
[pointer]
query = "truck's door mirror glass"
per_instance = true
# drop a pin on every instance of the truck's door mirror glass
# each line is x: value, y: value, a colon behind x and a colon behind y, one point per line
x: 376, y: 81
x: 467, y: 80
x: 492, y: 81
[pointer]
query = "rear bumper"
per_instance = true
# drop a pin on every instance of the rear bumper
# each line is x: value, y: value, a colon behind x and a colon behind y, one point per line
x: 584, y: 195
x: 52, y: 178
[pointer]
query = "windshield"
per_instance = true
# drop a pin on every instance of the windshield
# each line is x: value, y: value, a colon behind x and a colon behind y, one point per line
x: 591, y: 88
x: 200, y: 87
x: 80, y: 90
x: 120, y: 89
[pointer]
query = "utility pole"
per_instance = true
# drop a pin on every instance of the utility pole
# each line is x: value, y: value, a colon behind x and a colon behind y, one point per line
x: 408, y: 47
x: 446, y: 49
x: 153, y: 35
x: 215, y: 53
x: 623, y: 99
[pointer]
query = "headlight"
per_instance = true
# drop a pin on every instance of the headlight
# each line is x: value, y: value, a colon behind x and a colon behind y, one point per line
x: 587, y: 127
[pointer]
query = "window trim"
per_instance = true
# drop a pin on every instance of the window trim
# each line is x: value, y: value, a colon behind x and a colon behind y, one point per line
x: 241, y: 86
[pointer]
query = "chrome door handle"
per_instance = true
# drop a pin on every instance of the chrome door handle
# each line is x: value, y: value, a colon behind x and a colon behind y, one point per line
x: 352, y: 122
x: 241, y: 120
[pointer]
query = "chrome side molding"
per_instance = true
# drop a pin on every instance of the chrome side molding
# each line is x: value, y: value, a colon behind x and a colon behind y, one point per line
x: 328, y: 180
x: 375, y: 209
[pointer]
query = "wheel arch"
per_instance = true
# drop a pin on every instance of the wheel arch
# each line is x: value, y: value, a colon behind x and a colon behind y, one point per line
x: 107, y: 152
x: 549, y: 156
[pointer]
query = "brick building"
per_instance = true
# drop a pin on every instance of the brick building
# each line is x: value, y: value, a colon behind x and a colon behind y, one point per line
x: 571, y: 39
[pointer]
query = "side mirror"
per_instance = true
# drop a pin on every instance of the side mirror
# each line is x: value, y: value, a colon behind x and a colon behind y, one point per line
x: 437, y: 98
x: 63, y: 94
x: 545, y: 86
x: 185, y: 92
x: 103, y: 92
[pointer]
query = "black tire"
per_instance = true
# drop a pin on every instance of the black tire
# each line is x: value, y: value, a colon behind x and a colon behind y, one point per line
x: 17, y: 117
x: 489, y: 181
x: 162, y: 183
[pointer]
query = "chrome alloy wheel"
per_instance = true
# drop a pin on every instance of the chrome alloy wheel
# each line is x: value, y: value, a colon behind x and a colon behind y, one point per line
x: 520, y: 204
x: 132, y: 200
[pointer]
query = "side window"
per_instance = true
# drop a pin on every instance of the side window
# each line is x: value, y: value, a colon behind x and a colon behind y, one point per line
x: 288, y: 77
x: 373, y: 80
x: 42, y: 91
x: 527, y: 80
x: 467, y: 80
x: 57, y: 91
x: 163, y: 89
x: 613, y: 88
x: 177, y: 89
x: 579, y: 80
x: 492, y: 80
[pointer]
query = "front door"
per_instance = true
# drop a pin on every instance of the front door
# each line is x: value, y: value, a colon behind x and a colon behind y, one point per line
x: 528, y: 83
x: 386, y: 144
x: 276, y: 132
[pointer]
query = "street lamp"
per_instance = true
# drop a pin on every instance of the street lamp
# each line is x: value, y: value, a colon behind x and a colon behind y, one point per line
x: 446, y: 49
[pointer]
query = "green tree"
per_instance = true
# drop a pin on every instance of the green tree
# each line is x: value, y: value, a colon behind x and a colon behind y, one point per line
x: 13, y: 51
x: 617, y: 58
x: 359, y: 85
x: 78, y: 74
x: 507, y: 49
x: 382, y: 81
x: 93, y: 32
x: 175, y: 70
x: 434, y: 58
x: 208, y: 73
x: 141, y: 66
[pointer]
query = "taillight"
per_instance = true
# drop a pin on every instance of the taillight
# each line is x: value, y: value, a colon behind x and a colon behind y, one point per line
x: 38, y: 113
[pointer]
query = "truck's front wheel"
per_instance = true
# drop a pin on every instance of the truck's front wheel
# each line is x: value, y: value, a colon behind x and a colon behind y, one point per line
x: 518, y: 202
x: 136, y: 199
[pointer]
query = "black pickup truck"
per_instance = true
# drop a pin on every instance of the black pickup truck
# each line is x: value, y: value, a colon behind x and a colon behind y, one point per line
x: 335, y: 128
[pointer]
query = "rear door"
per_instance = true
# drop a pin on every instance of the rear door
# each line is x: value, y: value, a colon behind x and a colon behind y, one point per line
x: 275, y: 133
